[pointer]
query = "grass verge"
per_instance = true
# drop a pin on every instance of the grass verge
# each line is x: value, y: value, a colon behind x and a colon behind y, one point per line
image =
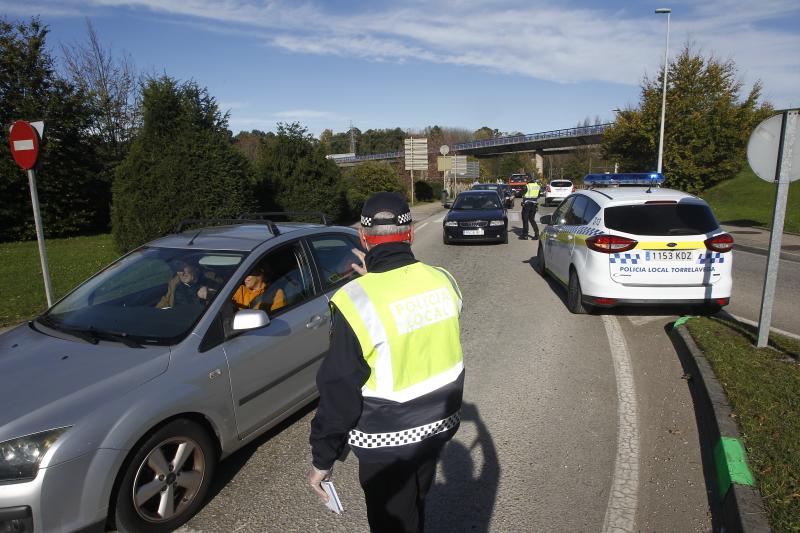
x: 748, y: 200
x: 70, y: 261
x: 762, y: 386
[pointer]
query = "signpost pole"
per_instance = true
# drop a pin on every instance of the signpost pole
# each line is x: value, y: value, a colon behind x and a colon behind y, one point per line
x: 782, y: 177
x: 37, y: 218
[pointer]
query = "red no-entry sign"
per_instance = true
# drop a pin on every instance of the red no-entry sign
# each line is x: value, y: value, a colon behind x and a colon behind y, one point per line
x: 24, y: 144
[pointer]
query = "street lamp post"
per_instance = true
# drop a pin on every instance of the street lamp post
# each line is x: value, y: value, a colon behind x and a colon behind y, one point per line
x: 660, y: 11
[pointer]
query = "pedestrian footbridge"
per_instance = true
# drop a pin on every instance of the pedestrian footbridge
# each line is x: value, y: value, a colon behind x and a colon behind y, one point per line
x: 564, y: 140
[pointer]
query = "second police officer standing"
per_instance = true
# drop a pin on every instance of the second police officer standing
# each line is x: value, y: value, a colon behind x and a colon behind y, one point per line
x: 392, y: 382
x: 529, y: 207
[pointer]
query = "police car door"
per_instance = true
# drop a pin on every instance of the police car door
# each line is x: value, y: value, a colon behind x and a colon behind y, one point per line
x: 560, y: 245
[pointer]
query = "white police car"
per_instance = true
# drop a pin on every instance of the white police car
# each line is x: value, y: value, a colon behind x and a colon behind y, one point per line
x: 625, y: 241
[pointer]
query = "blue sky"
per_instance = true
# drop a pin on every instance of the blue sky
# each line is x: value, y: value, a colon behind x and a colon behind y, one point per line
x: 512, y: 65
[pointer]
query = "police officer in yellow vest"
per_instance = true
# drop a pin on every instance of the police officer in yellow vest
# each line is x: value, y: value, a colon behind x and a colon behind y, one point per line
x: 392, y: 381
x: 529, y: 207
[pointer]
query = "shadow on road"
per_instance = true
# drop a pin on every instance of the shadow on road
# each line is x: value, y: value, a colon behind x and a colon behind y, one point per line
x: 463, y: 497
x: 230, y: 467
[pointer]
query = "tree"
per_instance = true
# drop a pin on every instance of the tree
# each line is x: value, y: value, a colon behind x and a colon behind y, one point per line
x: 73, y: 197
x: 112, y: 86
x: 292, y: 174
x: 707, y: 123
x: 486, y: 132
x: 182, y: 164
x: 249, y: 143
x: 365, y: 179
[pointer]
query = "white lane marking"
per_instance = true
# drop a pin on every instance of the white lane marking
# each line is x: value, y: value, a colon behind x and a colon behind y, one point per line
x: 642, y: 320
x: 420, y: 226
x: 622, y: 499
x: 439, y: 220
x: 755, y: 324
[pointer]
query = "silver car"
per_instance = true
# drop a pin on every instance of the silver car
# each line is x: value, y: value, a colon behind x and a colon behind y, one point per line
x: 120, y: 399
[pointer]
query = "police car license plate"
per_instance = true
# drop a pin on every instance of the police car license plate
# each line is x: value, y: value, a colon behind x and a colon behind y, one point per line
x: 473, y: 231
x: 670, y: 255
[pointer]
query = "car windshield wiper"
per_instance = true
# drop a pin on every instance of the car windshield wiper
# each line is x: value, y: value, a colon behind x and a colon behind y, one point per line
x: 115, y: 336
x: 91, y: 334
x: 82, y: 334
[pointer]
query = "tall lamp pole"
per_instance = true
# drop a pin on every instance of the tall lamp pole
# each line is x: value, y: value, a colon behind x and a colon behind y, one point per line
x: 661, y: 11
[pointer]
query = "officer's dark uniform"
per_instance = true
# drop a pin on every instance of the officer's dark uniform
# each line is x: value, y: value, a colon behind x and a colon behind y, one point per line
x: 529, y: 208
x: 395, y: 428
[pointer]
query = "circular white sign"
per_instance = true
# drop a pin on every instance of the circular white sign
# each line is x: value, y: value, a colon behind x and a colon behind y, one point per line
x: 762, y: 149
x: 444, y: 149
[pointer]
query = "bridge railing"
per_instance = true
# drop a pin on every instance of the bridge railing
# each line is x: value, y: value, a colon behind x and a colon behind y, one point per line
x: 541, y: 136
x: 496, y: 141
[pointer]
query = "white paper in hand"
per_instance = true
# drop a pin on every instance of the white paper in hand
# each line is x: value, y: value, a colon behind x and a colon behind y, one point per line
x: 333, y: 499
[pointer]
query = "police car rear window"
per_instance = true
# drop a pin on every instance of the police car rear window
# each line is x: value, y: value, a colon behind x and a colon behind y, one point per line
x: 661, y: 219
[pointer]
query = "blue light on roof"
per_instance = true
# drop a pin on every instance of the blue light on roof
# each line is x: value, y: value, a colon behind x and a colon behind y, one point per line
x: 632, y: 178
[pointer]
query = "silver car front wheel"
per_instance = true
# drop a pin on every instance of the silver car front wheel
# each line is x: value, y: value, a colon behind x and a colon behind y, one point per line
x: 166, y: 480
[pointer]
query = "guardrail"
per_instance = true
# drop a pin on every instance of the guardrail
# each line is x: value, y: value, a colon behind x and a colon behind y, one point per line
x: 496, y: 141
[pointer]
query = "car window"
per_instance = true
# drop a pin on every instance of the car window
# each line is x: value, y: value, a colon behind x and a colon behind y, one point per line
x: 477, y: 201
x: 334, y: 256
x: 591, y: 211
x: 559, y: 215
x: 152, y: 295
x: 561, y: 184
x: 661, y: 219
x: 574, y: 216
x: 278, y: 281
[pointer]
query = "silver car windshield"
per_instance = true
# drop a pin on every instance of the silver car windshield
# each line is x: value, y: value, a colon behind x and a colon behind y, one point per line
x: 152, y: 295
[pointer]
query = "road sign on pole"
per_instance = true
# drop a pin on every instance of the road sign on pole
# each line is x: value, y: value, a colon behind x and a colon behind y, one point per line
x: 774, y: 154
x: 24, y: 140
x: 416, y: 152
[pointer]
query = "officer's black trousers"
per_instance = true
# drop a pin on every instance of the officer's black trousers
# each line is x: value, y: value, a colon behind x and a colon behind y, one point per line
x: 529, y: 216
x: 395, y: 494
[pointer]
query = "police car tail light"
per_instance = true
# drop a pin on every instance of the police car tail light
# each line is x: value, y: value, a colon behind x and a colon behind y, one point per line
x: 610, y: 244
x: 720, y: 243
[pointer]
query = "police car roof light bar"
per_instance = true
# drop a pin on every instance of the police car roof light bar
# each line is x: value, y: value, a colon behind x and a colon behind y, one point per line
x: 631, y: 178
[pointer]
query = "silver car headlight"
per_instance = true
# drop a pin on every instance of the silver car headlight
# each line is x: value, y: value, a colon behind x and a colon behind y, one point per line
x: 496, y: 223
x: 451, y: 223
x: 20, y: 457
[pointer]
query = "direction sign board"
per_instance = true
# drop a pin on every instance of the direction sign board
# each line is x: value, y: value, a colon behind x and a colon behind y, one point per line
x: 460, y: 165
x: 416, y: 154
x: 24, y: 142
x: 762, y: 149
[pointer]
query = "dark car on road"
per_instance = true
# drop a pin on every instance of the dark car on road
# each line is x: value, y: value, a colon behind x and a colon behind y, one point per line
x: 476, y: 215
x: 503, y: 191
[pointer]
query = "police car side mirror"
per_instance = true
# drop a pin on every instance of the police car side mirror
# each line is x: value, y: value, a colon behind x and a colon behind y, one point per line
x: 248, y: 319
x: 546, y: 219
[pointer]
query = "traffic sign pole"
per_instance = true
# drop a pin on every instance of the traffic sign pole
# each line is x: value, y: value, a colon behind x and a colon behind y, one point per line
x: 783, y: 173
x: 24, y: 142
x: 37, y: 218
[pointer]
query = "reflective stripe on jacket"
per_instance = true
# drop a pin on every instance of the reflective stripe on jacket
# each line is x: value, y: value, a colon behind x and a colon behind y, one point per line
x: 532, y: 190
x: 406, y: 322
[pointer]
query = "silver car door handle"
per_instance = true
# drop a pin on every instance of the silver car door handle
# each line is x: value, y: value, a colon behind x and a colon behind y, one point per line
x: 315, y: 321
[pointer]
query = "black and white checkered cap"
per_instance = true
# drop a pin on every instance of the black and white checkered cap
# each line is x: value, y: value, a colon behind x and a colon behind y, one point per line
x: 381, y: 202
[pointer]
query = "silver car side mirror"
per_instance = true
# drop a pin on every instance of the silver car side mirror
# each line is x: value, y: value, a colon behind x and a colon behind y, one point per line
x: 546, y: 219
x: 247, y: 319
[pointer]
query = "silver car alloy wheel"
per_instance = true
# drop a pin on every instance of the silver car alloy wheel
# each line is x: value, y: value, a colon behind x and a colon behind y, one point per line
x: 168, y: 479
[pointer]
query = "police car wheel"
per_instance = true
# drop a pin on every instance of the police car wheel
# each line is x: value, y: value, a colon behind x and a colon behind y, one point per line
x: 540, y: 260
x: 575, y: 295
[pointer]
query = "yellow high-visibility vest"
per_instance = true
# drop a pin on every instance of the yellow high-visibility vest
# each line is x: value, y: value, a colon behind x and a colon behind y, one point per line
x: 532, y: 190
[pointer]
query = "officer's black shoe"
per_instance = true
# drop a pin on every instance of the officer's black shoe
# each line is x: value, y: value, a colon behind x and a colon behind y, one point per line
x: 535, y: 237
x: 523, y: 237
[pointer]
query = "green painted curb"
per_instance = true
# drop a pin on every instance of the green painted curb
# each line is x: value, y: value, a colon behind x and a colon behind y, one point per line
x: 681, y: 321
x: 731, y: 462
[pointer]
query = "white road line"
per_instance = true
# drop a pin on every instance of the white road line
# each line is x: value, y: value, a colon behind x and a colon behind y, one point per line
x: 622, y: 500
x: 776, y: 330
x: 417, y: 228
x: 439, y: 220
x: 646, y: 319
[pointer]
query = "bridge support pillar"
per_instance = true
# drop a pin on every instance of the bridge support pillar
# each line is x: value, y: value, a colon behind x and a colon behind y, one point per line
x: 537, y: 157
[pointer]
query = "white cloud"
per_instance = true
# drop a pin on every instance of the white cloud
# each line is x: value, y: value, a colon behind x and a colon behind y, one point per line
x: 545, y: 40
